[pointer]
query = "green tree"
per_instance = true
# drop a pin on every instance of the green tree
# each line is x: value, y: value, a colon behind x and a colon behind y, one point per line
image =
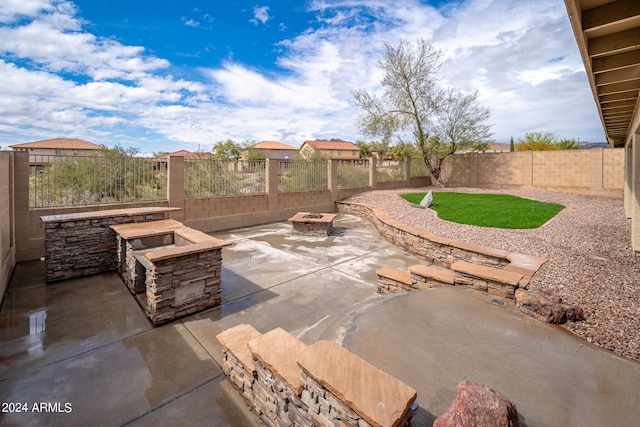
x: 380, y: 148
x: 512, y: 146
x: 568, y: 144
x: 460, y: 124
x: 537, y: 141
x: 402, y: 150
x: 227, y: 150
x: 411, y: 101
x: 365, y: 149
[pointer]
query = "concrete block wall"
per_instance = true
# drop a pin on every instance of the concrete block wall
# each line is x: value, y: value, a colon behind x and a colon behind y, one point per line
x: 7, y: 236
x: 597, y: 171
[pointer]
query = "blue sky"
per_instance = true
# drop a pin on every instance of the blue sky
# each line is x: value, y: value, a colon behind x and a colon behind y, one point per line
x: 170, y: 75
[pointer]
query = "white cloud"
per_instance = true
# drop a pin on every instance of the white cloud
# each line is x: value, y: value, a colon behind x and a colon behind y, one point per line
x: 260, y: 14
x: 190, y: 22
x: 521, y: 56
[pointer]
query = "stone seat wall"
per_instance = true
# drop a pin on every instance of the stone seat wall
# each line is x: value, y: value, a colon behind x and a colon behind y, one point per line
x: 456, y: 256
x: 289, y: 383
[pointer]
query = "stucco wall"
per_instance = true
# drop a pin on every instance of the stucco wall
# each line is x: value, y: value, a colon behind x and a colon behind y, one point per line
x: 598, y: 171
x: 7, y: 236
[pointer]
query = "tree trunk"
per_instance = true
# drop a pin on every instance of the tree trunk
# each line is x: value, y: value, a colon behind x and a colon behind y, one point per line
x: 436, y: 172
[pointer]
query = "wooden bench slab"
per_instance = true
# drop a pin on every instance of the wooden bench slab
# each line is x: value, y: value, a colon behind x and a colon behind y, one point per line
x: 378, y: 397
x: 438, y: 274
x: 146, y: 229
x: 277, y: 350
x: 489, y: 273
x: 395, y: 275
x: 178, y: 251
x: 235, y: 341
x: 78, y: 216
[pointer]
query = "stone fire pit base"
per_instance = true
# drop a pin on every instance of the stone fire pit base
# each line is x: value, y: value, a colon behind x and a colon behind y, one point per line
x: 312, y: 224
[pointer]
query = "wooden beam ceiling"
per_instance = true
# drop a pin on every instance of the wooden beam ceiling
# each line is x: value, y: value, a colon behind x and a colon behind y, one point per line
x: 608, y: 35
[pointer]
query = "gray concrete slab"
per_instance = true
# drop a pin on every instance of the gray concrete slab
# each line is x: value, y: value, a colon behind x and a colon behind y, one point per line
x: 86, y: 342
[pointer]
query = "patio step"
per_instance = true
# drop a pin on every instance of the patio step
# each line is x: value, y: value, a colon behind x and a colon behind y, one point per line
x: 392, y: 281
x: 426, y: 276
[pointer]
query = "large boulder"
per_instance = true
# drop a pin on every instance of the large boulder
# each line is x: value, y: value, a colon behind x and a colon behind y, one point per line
x: 427, y: 200
x: 476, y: 405
x: 547, y: 307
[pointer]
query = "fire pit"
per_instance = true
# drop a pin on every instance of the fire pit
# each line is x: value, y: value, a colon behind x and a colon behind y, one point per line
x: 312, y: 223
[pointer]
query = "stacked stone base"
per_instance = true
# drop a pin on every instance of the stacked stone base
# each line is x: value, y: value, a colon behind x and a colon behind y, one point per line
x: 307, y: 224
x: 288, y: 383
x: 487, y: 279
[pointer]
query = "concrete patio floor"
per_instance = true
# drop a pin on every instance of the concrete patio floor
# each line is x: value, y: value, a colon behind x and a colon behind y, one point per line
x: 84, y: 348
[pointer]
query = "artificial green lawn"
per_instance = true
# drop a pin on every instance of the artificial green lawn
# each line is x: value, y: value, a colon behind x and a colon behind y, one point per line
x: 489, y: 210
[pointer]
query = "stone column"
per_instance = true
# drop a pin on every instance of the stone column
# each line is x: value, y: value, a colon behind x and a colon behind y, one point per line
x: 21, y: 205
x: 407, y: 171
x: 373, y: 167
x: 272, y: 184
x: 333, y: 179
x: 175, y: 186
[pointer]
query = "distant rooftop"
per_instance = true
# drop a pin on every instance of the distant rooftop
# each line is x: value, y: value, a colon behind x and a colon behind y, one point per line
x: 59, y: 144
x: 319, y: 144
x: 272, y: 145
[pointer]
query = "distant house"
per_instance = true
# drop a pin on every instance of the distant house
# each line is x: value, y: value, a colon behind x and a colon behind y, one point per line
x: 58, y: 146
x: 39, y: 151
x: 334, y: 149
x: 498, y: 148
x: 272, y: 150
x: 491, y: 148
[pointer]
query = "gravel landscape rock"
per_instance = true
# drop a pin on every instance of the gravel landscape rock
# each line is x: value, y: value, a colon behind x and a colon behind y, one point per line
x: 588, y: 246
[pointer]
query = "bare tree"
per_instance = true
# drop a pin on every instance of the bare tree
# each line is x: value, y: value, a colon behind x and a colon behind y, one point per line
x: 412, y: 102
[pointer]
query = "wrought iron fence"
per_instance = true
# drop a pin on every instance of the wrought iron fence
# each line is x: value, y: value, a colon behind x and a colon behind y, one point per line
x: 353, y: 174
x: 58, y: 180
x: 417, y: 168
x: 302, y: 176
x: 215, y: 178
x: 390, y: 171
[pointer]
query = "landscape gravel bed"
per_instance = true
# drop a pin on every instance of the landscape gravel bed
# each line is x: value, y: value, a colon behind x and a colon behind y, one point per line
x: 588, y: 246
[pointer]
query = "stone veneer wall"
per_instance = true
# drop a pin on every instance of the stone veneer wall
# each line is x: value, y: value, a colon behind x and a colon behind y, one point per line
x: 289, y: 383
x: 183, y: 285
x: 80, y: 247
x: 433, y: 248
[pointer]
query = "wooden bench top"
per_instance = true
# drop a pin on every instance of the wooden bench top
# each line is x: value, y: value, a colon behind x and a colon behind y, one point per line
x: 235, y: 341
x: 378, y: 397
x: 489, y: 273
x: 77, y: 216
x: 439, y: 274
x: 395, y: 275
x: 278, y: 351
x: 156, y: 254
x: 137, y: 230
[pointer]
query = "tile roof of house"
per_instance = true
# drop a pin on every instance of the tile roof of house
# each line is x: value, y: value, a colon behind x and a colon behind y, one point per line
x: 331, y: 145
x: 272, y: 145
x: 60, y: 144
